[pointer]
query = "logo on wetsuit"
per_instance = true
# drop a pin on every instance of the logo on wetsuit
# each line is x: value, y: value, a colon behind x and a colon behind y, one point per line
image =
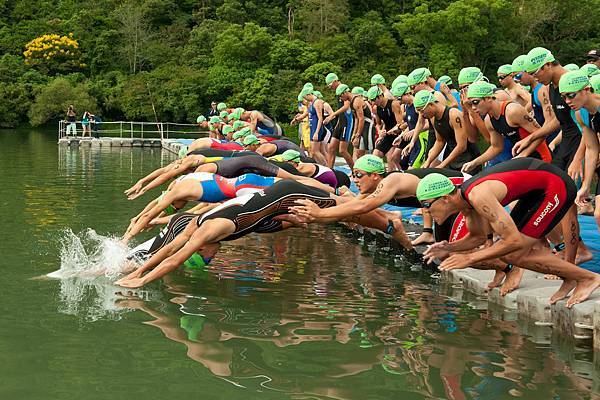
x: 548, y: 209
x: 458, y: 229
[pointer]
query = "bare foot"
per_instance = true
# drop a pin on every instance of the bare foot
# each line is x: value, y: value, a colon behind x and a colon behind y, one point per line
x: 551, y: 277
x: 400, y: 236
x: 583, y: 290
x: 513, y: 280
x: 563, y: 291
x: 583, y: 256
x: 425, y: 238
x: 497, y: 281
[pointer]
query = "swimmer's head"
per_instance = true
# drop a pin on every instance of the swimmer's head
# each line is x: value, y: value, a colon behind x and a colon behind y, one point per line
x: 367, y: 173
x: 251, y: 142
x: 437, y: 193
x: 292, y: 156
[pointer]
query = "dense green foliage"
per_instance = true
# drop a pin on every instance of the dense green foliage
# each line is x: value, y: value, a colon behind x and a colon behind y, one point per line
x: 180, y: 55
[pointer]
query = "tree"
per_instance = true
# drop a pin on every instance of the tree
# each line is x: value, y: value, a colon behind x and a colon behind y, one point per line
x: 135, y: 34
x: 52, y: 102
x: 322, y: 18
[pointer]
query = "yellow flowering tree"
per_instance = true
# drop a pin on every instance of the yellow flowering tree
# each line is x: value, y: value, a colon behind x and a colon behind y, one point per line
x: 53, y: 52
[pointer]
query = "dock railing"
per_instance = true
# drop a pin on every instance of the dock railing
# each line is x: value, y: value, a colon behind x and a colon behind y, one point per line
x: 131, y: 129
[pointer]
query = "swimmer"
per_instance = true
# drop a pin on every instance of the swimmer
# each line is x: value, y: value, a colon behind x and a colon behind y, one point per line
x: 544, y: 195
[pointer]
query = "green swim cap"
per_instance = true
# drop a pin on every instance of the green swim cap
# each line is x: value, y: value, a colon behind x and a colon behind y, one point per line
x: 300, y: 97
x: 370, y: 164
x: 373, y: 92
x: 418, y: 75
x: 223, y: 114
x: 246, y: 130
x: 330, y: 78
x: 215, y: 120
x: 193, y: 325
x: 341, y: 89
x: 183, y: 152
x: 308, y: 86
x: 399, y: 79
x: 251, y: 139
x: 238, y: 134
x: 305, y: 92
x: 571, y: 67
x: 424, y: 97
x: 221, y: 106
x: 573, y: 81
x: 445, y: 79
x: 291, y: 155
x: 227, y: 129
x: 318, y: 94
x: 238, y: 124
x: 479, y: 90
x: 518, y: 64
x: 196, y: 261
x: 170, y: 210
x: 590, y: 69
x: 400, y: 89
x: 201, y: 118
x: 377, y: 79
x: 358, y: 90
x: 469, y: 75
x: 433, y: 186
x: 537, y: 58
x: 595, y: 83
x: 505, y: 69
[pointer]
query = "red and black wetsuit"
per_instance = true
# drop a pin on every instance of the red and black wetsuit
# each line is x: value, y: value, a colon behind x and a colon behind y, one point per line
x: 445, y: 130
x: 515, y: 133
x: 544, y: 193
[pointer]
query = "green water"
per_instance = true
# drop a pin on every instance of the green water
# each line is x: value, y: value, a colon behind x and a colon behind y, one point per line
x: 317, y: 314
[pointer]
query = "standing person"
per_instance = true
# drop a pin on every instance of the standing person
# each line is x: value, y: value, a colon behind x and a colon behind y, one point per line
x: 450, y: 132
x: 343, y: 125
x: 96, y: 122
x: 363, y: 135
x: 502, y: 119
x: 389, y: 118
x: 213, y: 112
x: 71, y: 119
x: 319, y: 133
x: 593, y: 57
x: 85, y: 124
x: 421, y: 79
x: 516, y: 91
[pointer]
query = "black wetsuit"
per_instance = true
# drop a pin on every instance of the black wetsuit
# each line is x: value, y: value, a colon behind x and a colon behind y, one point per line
x: 236, y: 166
x: 221, y: 153
x: 255, y: 212
x: 571, y: 135
x: 387, y: 116
x: 445, y: 130
x: 367, y: 136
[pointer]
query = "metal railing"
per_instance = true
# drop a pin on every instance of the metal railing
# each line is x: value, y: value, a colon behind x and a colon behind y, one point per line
x: 129, y: 129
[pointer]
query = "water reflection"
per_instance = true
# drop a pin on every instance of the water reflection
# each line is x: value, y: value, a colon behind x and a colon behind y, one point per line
x: 326, y: 318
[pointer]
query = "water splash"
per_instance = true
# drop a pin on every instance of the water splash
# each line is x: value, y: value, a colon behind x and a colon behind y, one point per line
x: 89, y: 263
x: 90, y: 255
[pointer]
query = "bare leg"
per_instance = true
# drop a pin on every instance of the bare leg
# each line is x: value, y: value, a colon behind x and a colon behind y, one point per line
x: 331, y: 148
x: 513, y: 280
x: 343, y: 149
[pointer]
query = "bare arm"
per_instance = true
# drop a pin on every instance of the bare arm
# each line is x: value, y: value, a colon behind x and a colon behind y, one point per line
x: 149, y: 215
x: 435, y: 151
x: 517, y: 115
x: 185, y: 166
x: 495, y: 148
x: 551, y: 123
x: 460, y: 133
x: 448, y: 95
x: 592, y: 146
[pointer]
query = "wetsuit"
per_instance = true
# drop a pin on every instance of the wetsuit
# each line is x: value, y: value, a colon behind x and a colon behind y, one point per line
x: 324, y: 133
x: 256, y: 164
x: 367, y: 136
x: 445, y: 130
x: 515, y: 133
x: 344, y: 124
x: 225, y: 145
x: 571, y: 135
x: 283, y: 145
x: 267, y: 126
x: 216, y: 188
x: 544, y: 193
x: 342, y: 178
x: 418, y: 154
x: 388, y: 118
x: 538, y: 111
x: 221, y: 153
x: 593, y: 122
x: 270, y: 138
x: 255, y: 212
x: 325, y: 175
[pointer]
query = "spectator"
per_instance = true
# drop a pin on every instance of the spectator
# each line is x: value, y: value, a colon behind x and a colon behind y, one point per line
x: 593, y: 57
x: 85, y: 125
x: 71, y: 119
x: 96, y: 122
x: 213, y: 110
